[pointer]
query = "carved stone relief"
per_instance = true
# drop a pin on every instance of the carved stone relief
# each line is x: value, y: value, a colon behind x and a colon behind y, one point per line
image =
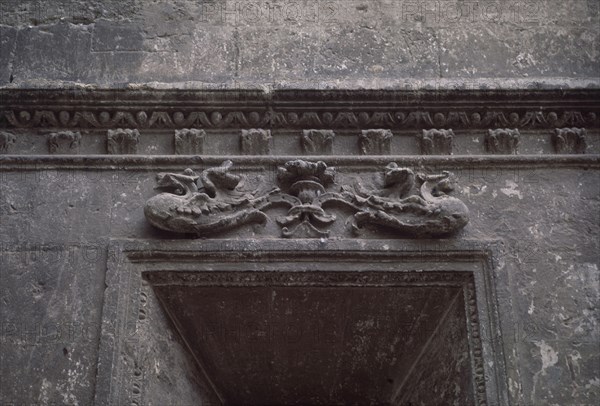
x: 64, y: 142
x: 411, y: 204
x: 502, y: 141
x: 375, y: 142
x: 569, y: 140
x: 122, y: 141
x: 318, y: 142
x: 256, y: 142
x: 306, y: 122
x: 7, y: 140
x: 189, y: 141
x: 436, y: 142
x: 473, y: 119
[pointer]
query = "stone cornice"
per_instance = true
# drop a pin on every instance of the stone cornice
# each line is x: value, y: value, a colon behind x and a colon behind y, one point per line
x: 299, y: 108
x: 299, y: 122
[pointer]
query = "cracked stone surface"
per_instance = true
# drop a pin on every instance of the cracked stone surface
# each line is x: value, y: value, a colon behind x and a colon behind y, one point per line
x: 285, y: 43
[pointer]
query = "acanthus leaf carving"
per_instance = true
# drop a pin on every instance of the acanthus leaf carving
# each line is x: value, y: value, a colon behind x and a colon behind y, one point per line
x: 318, y: 142
x: 64, y: 142
x: 375, y: 142
x: 256, y: 141
x: 502, y: 141
x: 436, y: 142
x: 122, y: 141
x: 413, y: 205
x: 189, y: 141
x: 569, y: 140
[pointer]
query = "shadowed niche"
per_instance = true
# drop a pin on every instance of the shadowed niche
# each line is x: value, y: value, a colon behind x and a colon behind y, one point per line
x: 260, y: 338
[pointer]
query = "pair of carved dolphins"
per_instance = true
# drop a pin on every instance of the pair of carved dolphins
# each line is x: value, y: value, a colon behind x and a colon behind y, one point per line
x: 211, y: 202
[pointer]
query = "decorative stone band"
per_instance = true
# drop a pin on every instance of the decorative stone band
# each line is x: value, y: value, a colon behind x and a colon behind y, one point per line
x: 287, y: 122
x: 413, y: 204
x: 177, y: 109
x: 254, y: 142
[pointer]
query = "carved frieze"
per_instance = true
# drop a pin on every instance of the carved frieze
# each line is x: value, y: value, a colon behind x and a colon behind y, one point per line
x: 502, y: 141
x: 569, y: 140
x: 7, y: 140
x: 256, y: 142
x: 317, y: 142
x: 411, y: 204
x: 122, y: 141
x: 375, y: 142
x: 417, y: 119
x: 189, y: 141
x: 305, y: 122
x: 64, y: 142
x: 436, y: 142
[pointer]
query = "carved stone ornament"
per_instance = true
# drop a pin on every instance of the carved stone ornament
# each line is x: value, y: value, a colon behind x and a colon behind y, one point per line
x: 64, y: 142
x: 502, y: 141
x: 569, y: 140
x: 256, y: 142
x: 7, y: 140
x: 189, y: 141
x: 412, y: 205
x: 436, y: 142
x: 375, y: 142
x: 122, y: 141
x: 318, y: 142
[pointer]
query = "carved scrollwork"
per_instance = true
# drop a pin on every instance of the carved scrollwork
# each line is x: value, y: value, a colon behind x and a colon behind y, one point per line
x: 306, y: 181
x: 414, y: 205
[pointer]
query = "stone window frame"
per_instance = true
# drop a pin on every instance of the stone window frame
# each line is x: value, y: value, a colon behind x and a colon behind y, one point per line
x: 131, y: 262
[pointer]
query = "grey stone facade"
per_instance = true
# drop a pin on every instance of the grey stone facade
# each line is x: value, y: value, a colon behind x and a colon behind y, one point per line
x: 348, y: 107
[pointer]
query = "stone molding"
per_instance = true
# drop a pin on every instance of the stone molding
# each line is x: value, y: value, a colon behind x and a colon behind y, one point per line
x: 368, y: 163
x: 133, y: 265
x: 304, y: 116
x: 299, y: 109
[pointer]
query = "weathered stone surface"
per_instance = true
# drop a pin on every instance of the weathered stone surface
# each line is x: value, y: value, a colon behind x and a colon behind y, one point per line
x: 338, y: 43
x: 58, y: 213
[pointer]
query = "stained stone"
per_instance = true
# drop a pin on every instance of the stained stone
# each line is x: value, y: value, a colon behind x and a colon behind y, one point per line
x: 299, y: 202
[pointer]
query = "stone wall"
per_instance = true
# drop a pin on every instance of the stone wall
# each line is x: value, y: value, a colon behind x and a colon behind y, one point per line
x: 300, y: 43
x: 58, y: 214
